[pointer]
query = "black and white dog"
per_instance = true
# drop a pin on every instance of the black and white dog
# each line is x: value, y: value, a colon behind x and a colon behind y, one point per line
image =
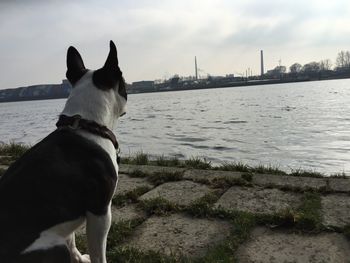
x: 69, y: 177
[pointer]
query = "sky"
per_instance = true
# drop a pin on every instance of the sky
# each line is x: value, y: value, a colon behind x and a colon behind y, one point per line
x: 159, y: 38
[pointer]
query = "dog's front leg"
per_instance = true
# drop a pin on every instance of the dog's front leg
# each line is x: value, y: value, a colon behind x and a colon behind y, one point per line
x: 76, y: 256
x: 97, y: 228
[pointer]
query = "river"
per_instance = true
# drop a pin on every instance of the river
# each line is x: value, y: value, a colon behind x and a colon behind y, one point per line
x: 291, y: 126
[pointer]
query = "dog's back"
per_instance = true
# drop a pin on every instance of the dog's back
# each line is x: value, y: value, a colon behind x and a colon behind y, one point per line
x: 56, y: 181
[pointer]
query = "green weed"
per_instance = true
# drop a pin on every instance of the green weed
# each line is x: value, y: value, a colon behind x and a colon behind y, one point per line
x: 158, y: 206
x: 120, y: 200
x: 203, y: 206
x: 159, y: 178
x: 234, y: 166
x: 198, y: 163
x: 15, y: 150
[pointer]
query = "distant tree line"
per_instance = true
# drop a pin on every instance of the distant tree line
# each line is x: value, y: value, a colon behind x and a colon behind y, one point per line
x: 321, y: 69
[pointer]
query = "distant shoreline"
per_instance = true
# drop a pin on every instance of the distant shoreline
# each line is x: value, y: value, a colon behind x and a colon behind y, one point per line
x: 33, y: 99
x: 241, y: 84
x: 199, y: 86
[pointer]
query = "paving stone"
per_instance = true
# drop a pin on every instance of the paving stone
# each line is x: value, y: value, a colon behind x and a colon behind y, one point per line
x: 129, y: 212
x: 179, y: 235
x: 257, y: 200
x: 266, y: 246
x: 336, y: 210
x: 125, y: 213
x: 127, y: 183
x: 180, y: 192
x: 289, y: 181
x: 148, y: 169
x: 339, y: 185
x: 210, y: 175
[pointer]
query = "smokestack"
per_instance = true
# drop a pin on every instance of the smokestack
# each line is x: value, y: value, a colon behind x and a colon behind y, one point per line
x: 195, y: 67
x: 262, y: 62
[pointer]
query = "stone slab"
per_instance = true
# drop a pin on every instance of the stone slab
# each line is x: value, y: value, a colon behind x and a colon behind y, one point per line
x: 336, y: 210
x: 266, y: 246
x: 180, y: 192
x: 179, y: 235
x: 257, y: 200
x: 209, y: 175
x: 289, y: 181
x: 339, y: 185
x: 126, y: 213
x: 127, y: 184
x: 148, y: 169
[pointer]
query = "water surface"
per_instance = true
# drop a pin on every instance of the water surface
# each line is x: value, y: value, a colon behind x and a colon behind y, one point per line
x: 297, y: 125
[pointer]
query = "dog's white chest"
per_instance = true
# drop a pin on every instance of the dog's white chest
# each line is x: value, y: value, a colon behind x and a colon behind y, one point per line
x: 55, y: 235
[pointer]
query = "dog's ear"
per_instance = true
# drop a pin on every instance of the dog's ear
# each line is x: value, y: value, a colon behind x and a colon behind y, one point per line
x: 108, y: 76
x: 75, y: 66
x: 112, y: 59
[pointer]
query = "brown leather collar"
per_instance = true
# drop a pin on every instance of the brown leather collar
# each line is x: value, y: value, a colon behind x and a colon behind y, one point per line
x: 76, y: 122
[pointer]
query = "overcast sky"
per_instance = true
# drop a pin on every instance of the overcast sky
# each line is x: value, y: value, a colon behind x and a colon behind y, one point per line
x: 159, y: 38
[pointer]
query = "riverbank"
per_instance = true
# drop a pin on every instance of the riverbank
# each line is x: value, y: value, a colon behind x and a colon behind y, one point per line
x: 61, y: 91
x: 188, y: 211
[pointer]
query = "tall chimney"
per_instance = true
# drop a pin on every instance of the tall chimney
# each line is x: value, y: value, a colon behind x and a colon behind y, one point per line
x: 262, y: 62
x: 195, y: 67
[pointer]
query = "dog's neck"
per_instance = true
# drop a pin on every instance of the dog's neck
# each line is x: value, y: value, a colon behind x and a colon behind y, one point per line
x: 93, y: 104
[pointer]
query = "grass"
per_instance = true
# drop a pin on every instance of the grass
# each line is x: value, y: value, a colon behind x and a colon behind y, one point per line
x: 203, y: 206
x: 302, y: 173
x: 80, y: 241
x: 158, y: 206
x: 140, y: 158
x: 163, y: 161
x: 284, y: 218
x: 202, y: 163
x: 132, y: 255
x: 120, y: 200
x: 159, y: 178
x: 15, y: 150
x: 268, y: 169
x: 138, y: 174
x: 247, y: 176
x: 305, y: 218
x: 242, y: 167
x: 308, y: 217
x: 242, y: 224
x: 226, y: 182
x: 341, y: 175
x: 120, y: 231
x: 198, y: 163
x: 233, y: 166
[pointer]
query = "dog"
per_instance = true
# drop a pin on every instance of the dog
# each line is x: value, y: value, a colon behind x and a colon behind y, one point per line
x: 69, y: 177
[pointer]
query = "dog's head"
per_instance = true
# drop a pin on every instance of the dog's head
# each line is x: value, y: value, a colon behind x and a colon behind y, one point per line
x: 99, y: 94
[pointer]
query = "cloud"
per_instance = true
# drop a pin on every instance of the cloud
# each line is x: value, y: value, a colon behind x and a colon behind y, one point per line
x: 155, y: 37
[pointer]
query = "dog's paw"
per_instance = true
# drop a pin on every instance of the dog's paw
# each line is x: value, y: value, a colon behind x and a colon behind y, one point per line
x: 76, y: 257
x: 85, y: 259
